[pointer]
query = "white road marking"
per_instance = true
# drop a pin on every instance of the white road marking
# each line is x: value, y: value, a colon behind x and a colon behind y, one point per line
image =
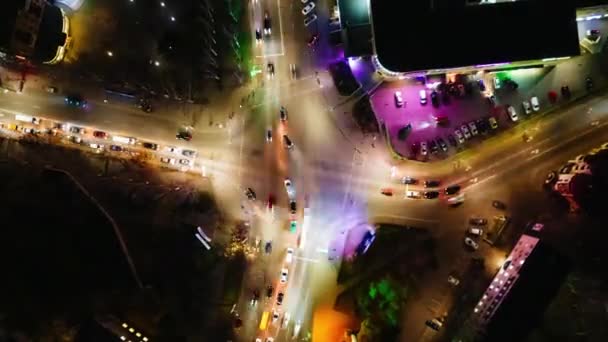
x: 281, y: 27
x: 271, y: 55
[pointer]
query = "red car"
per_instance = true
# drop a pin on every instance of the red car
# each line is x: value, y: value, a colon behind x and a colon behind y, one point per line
x: 386, y: 191
x: 100, y: 134
x: 314, y: 39
x: 270, y: 202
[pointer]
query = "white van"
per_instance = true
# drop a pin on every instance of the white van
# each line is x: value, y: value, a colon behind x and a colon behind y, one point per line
x: 124, y: 140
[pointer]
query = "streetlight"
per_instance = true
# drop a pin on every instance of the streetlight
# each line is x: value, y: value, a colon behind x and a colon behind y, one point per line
x: 110, y: 53
x: 172, y: 18
x: 162, y: 4
x: 156, y: 63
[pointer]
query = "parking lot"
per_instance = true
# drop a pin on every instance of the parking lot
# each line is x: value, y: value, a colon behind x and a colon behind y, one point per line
x: 429, y: 127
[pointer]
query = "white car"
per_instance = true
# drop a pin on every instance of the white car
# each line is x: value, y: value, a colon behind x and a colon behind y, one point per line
x: 459, y: 136
x: 289, y: 256
x: 471, y: 243
x: 289, y: 188
x: 465, y: 131
x: 412, y: 194
x: 526, y: 106
x: 512, y: 113
x: 284, y: 273
x: 473, y: 128
x: 304, y: 1
x: 398, y: 99
x: 286, y: 318
x: 535, y: 103
x: 275, y: 316
x: 454, y: 281
x: 172, y: 149
x: 310, y: 19
x: 423, y: 148
x: 422, y: 94
x: 167, y: 160
x: 493, y: 122
x: 475, y: 231
x: 309, y: 7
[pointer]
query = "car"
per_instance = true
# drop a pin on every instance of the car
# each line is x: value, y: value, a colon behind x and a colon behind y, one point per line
x: 166, y: 160
x: 526, y: 106
x: 479, y: 221
x: 476, y: 231
x: 433, y: 145
x: 75, y: 139
x: 459, y: 136
x: 284, y: 274
x: 100, y: 134
x: 423, y: 149
x: 75, y: 100
x: 308, y: 7
x: 292, y: 207
x: 431, y: 194
x: 150, y: 146
x: 51, y: 90
x: 471, y: 243
x: 285, y: 322
x: 250, y: 193
x: 455, y: 200
x: 435, y: 98
x: 293, y: 226
x: 473, y: 128
x: 398, y: 99
x: 499, y: 205
x: 115, y: 148
x: 288, y: 143
x: 422, y: 94
x: 269, y: 291
x: 280, y: 298
x: 452, y: 189
x: 283, y: 114
x: 258, y: 36
x: 493, y: 123
x: 535, y: 103
x: 255, y: 297
x: 412, y: 194
x: 434, y: 324
x: 270, y: 70
x: 310, y: 19
x: 497, y: 83
x: 267, y: 24
x: 188, y: 153
x: 482, y: 126
x: 452, y: 140
x: 268, y: 247
x: 77, y: 130
x: 431, y: 183
x: 270, y: 202
x: 565, y: 90
x: 185, y: 162
x: 409, y: 180
x: 269, y: 339
x: 512, y: 113
x: 313, y: 40
x: 293, y: 71
x: 171, y: 149
x: 386, y: 191
x: 269, y: 135
x: 289, y: 187
x: 145, y: 105
x: 93, y: 146
x: 465, y: 131
x: 453, y: 280
x: 289, y: 255
x: 275, y: 316
x: 442, y: 144
x: 183, y: 135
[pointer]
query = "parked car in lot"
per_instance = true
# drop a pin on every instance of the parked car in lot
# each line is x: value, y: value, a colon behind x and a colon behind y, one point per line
x: 480, y: 221
x: 412, y: 194
x: 459, y: 136
x: 150, y: 146
x: 453, y: 280
x: 512, y: 113
x: 310, y: 19
x: 431, y: 183
x: 434, y: 324
x: 535, y: 103
x: 100, y: 135
x: 452, y: 140
x: 475, y: 231
x: 452, y: 189
x: 433, y: 146
x: 526, y: 106
x: 398, y: 99
x: 493, y: 123
x: 473, y: 128
x: 166, y: 160
x: 409, y: 180
x: 308, y: 7
x: 423, y: 149
x: 471, y: 243
x: 284, y: 273
x: 482, y: 126
x: 185, y: 162
x: 431, y: 194
x: 422, y: 94
x: 465, y: 131
x: 188, y: 153
x: 442, y: 144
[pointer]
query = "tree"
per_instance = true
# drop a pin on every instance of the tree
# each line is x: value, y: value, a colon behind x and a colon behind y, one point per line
x: 380, y: 305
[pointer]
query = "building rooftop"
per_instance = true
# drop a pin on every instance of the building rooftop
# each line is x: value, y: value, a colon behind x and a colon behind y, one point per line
x: 424, y: 35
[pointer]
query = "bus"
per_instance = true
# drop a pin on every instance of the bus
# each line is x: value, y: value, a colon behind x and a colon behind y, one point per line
x: 264, y: 321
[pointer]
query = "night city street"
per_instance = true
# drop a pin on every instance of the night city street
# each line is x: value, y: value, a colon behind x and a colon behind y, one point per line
x: 269, y: 171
